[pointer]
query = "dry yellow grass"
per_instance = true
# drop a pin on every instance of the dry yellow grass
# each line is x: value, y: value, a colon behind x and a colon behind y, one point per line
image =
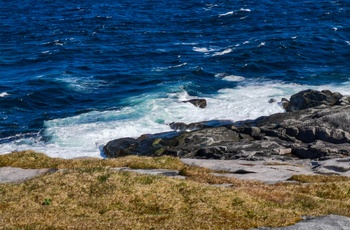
x: 31, y: 159
x: 91, y: 196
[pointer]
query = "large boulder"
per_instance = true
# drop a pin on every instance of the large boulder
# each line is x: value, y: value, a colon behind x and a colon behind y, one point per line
x: 311, y: 98
x: 121, y: 147
x: 145, y: 145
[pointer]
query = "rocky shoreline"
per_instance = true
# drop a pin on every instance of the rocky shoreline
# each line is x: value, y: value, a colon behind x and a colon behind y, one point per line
x: 314, y: 126
x: 311, y: 137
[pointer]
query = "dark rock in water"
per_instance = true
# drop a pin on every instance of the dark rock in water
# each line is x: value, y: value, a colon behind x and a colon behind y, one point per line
x: 180, y: 126
x: 321, y: 132
x: 201, y: 103
x: 272, y: 100
x: 284, y: 102
x: 145, y: 145
x: 311, y: 98
x: 121, y: 147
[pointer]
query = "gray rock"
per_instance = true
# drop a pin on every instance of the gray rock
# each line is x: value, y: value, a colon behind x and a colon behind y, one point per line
x: 162, y: 172
x: 311, y: 98
x: 340, y: 166
x: 330, y: 222
x: 272, y: 171
x: 306, y: 134
x: 284, y: 103
x: 145, y: 145
x: 180, y: 126
x: 11, y: 174
x: 345, y: 100
x: 121, y: 147
x: 307, y: 152
x: 292, y: 131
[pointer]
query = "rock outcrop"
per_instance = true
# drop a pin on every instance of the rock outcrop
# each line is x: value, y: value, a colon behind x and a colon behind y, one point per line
x: 311, y: 98
x: 317, y: 127
x: 201, y: 103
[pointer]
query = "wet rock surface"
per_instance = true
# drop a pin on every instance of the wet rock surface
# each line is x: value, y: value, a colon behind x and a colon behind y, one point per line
x: 317, y: 127
x: 201, y: 103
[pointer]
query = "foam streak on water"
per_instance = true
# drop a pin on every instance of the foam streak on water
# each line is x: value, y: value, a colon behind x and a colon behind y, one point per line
x: 3, y: 94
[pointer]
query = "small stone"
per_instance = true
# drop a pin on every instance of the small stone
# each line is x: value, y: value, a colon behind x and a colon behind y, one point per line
x: 285, y: 151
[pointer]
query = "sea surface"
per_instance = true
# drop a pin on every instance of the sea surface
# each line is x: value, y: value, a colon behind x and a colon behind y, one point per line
x: 77, y: 74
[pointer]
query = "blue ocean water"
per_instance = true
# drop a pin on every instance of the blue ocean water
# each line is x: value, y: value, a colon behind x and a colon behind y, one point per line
x: 76, y: 74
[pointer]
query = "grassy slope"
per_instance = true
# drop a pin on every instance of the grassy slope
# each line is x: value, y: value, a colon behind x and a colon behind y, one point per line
x: 90, y: 196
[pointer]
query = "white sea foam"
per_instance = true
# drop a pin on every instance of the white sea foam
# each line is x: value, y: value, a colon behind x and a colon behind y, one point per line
x: 77, y: 84
x: 232, y: 12
x: 210, y: 6
x: 229, y: 77
x: 58, y: 43
x: 4, y: 94
x: 157, y: 69
x: 348, y: 42
x: 233, y: 78
x: 262, y: 44
x: 213, y: 51
x: 225, y: 14
x: 85, y: 134
x: 203, y: 49
x: 226, y: 51
x: 187, y: 43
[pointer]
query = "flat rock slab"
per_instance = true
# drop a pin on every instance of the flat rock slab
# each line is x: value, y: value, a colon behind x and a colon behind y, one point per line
x: 339, y: 166
x: 163, y: 172
x: 330, y: 222
x: 11, y: 174
x: 265, y: 171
